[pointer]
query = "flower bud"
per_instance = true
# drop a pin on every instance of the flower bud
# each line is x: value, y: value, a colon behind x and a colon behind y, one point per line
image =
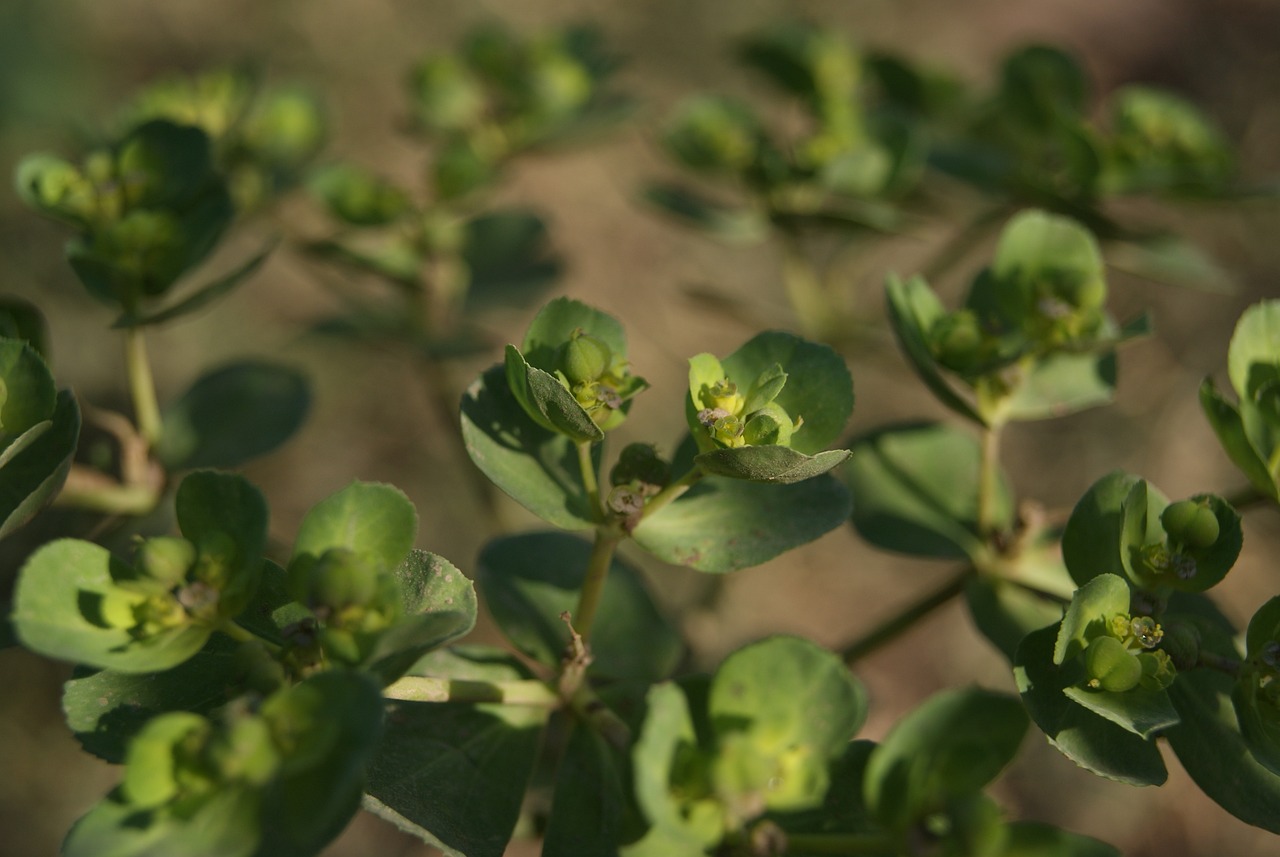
x: 1111, y: 666
x: 723, y: 395
x: 584, y: 359
x: 166, y: 559
x: 339, y: 579
x: 769, y: 426
x: 1158, y: 670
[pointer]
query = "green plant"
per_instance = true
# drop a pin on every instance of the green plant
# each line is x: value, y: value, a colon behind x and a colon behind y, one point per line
x: 256, y: 696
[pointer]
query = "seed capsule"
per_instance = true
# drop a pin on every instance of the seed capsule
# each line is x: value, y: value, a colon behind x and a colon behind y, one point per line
x: 584, y: 358
x: 1177, y: 517
x: 1111, y: 666
x: 166, y: 559
x: 1203, y: 530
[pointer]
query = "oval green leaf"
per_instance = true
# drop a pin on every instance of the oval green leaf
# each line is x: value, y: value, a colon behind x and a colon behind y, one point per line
x: 774, y: 464
x: 34, y: 466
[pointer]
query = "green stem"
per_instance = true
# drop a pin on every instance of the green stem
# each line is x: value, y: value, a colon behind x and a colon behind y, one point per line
x: 529, y: 692
x: 142, y: 386
x: 243, y: 635
x: 989, y: 480
x: 95, y: 494
x: 891, y: 628
x: 840, y: 843
x: 673, y: 491
x: 1246, y: 497
x: 589, y: 480
x: 607, y: 540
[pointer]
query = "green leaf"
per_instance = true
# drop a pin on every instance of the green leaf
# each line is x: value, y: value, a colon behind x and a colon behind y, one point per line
x: 1063, y: 383
x: 786, y: 691
x: 106, y: 709
x: 555, y: 324
x: 438, y: 607
x: 1169, y: 258
x: 547, y: 401
x: 728, y: 223
x: 509, y: 257
x: 950, y: 747
x: 536, y: 467
x: 589, y: 801
x: 1091, y: 541
x: 374, y: 521
x: 227, y: 825
x: 317, y: 794
x: 1040, y: 85
x: 54, y: 187
x: 773, y: 464
x: 453, y: 774
x: 34, y: 465
x: 1033, y: 839
x: 232, y: 414
x: 21, y: 319
x: 725, y: 524
x: 660, y: 756
x: 58, y: 612
x: 529, y: 580
x: 1087, y: 616
x: 913, y: 308
x: 1143, y: 712
x: 916, y: 490
x: 212, y: 507
x: 1092, y: 742
x: 27, y: 391
x: 1005, y: 612
x: 198, y: 298
x: 358, y: 197
x: 1209, y: 746
x: 1141, y: 526
x: 1253, y: 357
x: 1253, y: 699
x: 818, y: 389
x: 1036, y: 245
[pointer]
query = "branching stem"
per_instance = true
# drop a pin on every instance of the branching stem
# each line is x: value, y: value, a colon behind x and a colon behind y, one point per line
x: 142, y: 386
x: 988, y: 480
x: 530, y: 692
x: 607, y: 539
x: 1230, y: 666
x: 902, y: 621
x: 672, y: 491
x: 589, y: 480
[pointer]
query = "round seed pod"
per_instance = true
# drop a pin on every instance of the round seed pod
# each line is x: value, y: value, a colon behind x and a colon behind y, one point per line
x: 166, y: 559
x: 1202, y: 532
x: 1111, y: 666
x: 1177, y: 517
x: 584, y: 358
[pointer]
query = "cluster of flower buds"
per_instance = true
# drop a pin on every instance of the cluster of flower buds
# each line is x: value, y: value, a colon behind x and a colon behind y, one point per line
x: 735, y: 419
x: 353, y: 602
x: 599, y: 380
x: 1191, y: 527
x: 1127, y: 656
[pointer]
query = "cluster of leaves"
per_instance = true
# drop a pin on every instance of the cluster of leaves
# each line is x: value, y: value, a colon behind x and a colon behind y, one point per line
x: 883, y: 139
x: 242, y: 698
x: 1139, y: 653
x: 254, y: 705
x: 498, y: 97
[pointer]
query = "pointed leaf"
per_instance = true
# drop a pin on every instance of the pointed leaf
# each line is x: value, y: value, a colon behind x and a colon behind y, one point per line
x: 233, y: 414
x: 536, y: 467
x: 1091, y: 541
x: 548, y: 402
x: 529, y: 580
x: 1254, y: 355
x: 725, y: 524
x: 773, y: 464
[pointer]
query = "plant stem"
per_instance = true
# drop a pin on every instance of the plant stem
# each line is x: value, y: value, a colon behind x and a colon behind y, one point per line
x: 988, y: 480
x: 96, y: 492
x: 886, y: 631
x: 607, y: 539
x: 1246, y: 497
x: 840, y: 843
x: 589, y: 479
x: 243, y: 635
x: 673, y: 491
x: 141, y: 385
x: 529, y: 692
x: 1230, y: 666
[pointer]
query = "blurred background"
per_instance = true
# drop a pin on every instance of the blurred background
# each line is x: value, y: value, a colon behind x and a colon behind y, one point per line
x: 66, y: 64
